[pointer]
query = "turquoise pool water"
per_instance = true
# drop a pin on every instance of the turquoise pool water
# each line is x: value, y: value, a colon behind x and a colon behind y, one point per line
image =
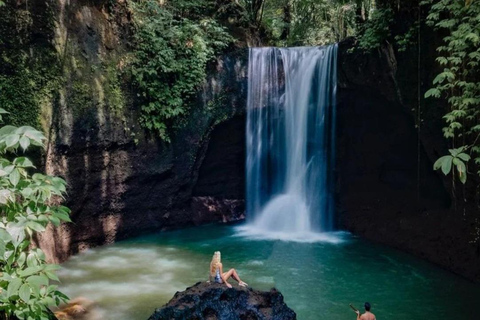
x: 318, y: 279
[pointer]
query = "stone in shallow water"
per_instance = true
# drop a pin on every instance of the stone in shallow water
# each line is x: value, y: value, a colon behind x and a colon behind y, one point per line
x: 215, y: 301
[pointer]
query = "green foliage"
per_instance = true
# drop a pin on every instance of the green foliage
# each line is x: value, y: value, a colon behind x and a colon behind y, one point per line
x: 80, y: 98
x: 114, y: 95
x: 305, y: 22
x: 94, y: 89
x: 459, y: 82
x: 254, y: 9
x: 174, y: 43
x: 319, y: 22
x: 457, y: 158
x: 18, y: 93
x: 27, y: 206
x: 409, y: 38
x: 26, y: 85
x: 328, y: 22
x: 376, y: 30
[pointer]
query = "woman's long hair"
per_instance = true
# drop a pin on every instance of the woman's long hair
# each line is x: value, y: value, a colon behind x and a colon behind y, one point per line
x: 215, y: 262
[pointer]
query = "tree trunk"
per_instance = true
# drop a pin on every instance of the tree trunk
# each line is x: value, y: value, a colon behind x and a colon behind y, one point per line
x: 287, y: 19
x: 359, y: 12
x: 256, y: 8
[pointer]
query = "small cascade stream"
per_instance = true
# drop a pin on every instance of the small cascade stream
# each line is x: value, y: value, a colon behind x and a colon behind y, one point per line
x: 291, y: 141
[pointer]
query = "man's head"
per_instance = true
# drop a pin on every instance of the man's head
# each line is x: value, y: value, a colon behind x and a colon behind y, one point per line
x: 367, y: 306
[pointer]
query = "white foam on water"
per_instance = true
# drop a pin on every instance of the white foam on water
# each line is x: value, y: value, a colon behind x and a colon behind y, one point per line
x: 162, y: 264
x: 108, y: 262
x: 254, y: 233
x: 265, y: 279
x: 120, y: 279
x: 286, y: 213
x: 73, y: 273
x: 255, y: 263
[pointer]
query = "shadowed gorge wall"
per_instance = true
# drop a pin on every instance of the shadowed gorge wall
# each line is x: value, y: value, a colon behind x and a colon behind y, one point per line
x: 220, y: 188
x: 223, y: 171
x: 387, y: 190
x: 121, y: 180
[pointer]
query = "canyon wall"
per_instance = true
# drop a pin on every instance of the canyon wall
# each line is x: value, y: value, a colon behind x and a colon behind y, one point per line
x: 124, y: 182
x: 387, y: 190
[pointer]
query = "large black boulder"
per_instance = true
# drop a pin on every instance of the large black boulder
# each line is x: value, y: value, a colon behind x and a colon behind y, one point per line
x: 214, y: 301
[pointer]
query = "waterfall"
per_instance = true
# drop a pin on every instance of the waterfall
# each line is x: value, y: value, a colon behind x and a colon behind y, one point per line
x: 291, y: 140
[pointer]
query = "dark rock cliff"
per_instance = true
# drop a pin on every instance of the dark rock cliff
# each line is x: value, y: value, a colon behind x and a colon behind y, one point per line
x: 123, y: 182
x: 120, y: 188
x: 215, y: 301
x: 387, y: 190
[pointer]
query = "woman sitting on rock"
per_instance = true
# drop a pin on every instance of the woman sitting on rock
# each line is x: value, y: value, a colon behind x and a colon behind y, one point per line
x: 216, y: 272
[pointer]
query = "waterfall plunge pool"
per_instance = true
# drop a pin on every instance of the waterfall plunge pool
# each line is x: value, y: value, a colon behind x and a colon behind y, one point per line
x: 318, y: 279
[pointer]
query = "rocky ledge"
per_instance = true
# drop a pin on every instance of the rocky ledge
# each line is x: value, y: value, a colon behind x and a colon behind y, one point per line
x: 214, y: 301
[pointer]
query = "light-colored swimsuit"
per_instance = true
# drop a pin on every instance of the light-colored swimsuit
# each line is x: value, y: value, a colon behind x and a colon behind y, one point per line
x: 218, y: 278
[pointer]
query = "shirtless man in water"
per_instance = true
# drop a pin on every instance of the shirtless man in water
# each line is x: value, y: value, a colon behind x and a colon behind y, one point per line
x: 367, y: 315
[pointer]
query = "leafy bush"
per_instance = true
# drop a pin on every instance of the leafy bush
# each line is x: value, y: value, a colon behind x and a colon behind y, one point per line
x: 28, y: 203
x: 456, y: 158
x: 376, y: 30
x: 459, y: 82
x: 173, y: 43
x: 301, y: 22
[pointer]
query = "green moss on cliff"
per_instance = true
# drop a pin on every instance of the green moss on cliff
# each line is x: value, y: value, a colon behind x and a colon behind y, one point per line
x: 38, y: 62
x: 94, y: 89
x: 29, y: 72
x: 114, y: 94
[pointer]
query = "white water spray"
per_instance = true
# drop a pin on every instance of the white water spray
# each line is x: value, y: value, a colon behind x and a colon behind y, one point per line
x: 291, y: 141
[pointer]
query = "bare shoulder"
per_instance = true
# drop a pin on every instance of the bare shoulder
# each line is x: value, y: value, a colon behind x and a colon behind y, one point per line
x: 367, y: 316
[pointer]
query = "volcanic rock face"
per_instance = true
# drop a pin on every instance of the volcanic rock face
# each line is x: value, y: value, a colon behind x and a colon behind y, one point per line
x: 215, y: 301
x: 122, y: 180
x: 387, y: 190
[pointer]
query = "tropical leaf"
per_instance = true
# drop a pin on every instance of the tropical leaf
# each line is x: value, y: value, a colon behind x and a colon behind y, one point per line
x: 434, y: 92
x: 24, y: 143
x: 445, y: 163
x: 30, y: 271
x: 5, y: 196
x: 11, y: 140
x: 14, y: 177
x: 13, y: 287
x: 25, y: 292
x: 23, y: 162
x: 465, y: 157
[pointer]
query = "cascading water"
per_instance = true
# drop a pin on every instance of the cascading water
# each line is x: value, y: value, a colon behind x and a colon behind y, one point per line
x: 291, y: 141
